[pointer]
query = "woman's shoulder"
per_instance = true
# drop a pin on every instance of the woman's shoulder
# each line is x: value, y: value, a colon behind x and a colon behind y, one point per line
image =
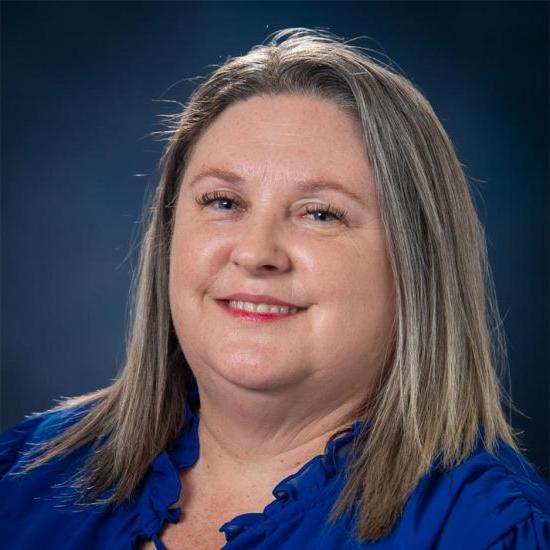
x: 32, y: 432
x: 504, y: 477
x: 488, y: 500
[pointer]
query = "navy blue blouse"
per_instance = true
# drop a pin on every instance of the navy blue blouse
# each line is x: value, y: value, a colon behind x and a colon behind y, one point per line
x: 486, y: 502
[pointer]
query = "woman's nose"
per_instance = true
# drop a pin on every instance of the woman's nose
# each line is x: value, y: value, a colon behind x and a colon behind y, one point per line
x: 259, y: 246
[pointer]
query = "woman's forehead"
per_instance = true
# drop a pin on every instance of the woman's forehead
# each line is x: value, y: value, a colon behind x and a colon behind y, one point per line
x: 287, y: 138
x: 285, y: 120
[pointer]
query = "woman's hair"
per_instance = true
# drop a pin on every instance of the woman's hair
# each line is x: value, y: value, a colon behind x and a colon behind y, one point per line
x: 440, y: 390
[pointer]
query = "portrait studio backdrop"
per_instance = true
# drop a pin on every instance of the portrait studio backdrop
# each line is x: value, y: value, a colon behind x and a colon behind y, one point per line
x: 83, y: 84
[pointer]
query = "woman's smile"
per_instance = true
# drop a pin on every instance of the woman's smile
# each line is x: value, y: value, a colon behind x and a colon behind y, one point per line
x: 258, y: 313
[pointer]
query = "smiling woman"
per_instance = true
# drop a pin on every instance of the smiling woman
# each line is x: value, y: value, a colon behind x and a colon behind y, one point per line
x: 315, y: 342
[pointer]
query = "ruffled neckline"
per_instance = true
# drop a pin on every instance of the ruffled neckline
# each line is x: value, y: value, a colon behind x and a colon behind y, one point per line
x: 163, y: 488
x: 303, y: 486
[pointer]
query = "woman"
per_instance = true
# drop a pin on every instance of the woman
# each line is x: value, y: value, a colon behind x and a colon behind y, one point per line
x: 312, y: 357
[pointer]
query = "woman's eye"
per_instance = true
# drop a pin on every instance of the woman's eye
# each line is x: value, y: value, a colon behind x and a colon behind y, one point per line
x: 208, y: 198
x: 323, y: 211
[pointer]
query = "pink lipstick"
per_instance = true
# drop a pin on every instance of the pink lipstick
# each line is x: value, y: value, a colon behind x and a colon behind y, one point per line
x: 253, y: 316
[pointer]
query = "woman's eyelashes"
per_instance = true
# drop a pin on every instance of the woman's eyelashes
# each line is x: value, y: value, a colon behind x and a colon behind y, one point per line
x: 216, y: 196
x: 319, y: 210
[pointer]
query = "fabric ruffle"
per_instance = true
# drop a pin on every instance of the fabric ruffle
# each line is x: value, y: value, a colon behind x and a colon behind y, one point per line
x: 306, y: 483
x: 161, y: 488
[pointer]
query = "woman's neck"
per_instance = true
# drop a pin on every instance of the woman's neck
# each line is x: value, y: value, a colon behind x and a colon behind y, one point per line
x: 259, y: 441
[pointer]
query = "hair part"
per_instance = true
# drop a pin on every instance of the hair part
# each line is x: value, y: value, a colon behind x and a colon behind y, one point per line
x: 440, y: 391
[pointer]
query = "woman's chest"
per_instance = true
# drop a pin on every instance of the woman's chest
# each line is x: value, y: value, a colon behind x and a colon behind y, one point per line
x: 199, y: 533
x: 199, y: 524
x: 204, y: 511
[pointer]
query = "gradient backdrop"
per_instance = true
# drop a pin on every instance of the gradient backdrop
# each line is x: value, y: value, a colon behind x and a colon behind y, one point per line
x: 81, y: 84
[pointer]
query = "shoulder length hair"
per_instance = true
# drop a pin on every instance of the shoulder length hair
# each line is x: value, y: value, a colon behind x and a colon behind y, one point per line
x: 440, y: 390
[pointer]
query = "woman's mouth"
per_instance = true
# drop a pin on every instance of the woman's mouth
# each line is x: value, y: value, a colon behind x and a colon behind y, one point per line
x: 258, y: 312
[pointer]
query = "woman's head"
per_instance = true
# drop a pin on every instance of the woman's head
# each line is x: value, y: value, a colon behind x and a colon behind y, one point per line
x: 251, y: 217
x: 407, y: 288
x: 402, y: 163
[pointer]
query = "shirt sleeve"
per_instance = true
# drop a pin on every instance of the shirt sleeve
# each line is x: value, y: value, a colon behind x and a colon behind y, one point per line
x: 532, y: 533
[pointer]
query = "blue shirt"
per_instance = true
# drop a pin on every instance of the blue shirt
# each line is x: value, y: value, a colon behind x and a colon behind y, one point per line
x: 486, y: 502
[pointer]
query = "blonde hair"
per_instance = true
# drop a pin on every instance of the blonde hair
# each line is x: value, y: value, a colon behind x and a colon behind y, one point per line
x: 440, y: 390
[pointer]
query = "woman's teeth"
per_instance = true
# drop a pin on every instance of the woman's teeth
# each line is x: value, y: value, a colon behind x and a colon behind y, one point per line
x: 262, y: 308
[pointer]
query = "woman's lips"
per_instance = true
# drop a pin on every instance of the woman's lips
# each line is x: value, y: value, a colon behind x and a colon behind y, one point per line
x: 255, y: 316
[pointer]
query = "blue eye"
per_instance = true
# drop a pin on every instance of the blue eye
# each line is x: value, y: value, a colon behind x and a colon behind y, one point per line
x: 329, y: 210
x: 208, y: 198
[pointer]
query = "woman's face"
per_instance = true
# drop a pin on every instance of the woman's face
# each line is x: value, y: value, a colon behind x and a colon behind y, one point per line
x: 269, y: 166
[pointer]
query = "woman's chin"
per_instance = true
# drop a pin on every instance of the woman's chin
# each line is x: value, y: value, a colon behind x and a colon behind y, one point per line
x: 258, y: 375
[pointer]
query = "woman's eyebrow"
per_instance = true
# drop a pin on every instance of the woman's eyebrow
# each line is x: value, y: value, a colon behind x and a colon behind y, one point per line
x: 309, y: 186
x: 219, y: 173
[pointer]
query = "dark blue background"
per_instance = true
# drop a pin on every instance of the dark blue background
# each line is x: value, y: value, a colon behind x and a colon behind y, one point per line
x: 80, y: 82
